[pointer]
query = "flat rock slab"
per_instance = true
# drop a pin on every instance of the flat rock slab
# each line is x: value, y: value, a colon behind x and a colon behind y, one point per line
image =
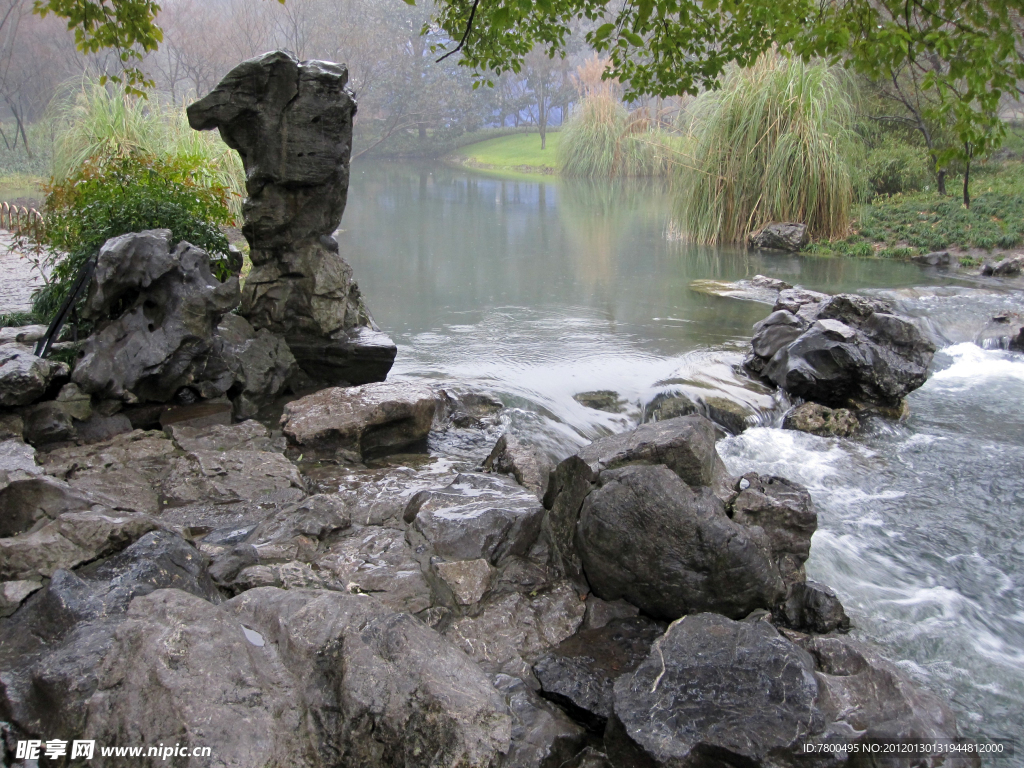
x: 227, y: 476
x: 370, y: 420
x: 686, y: 445
x: 245, y: 436
x: 477, y: 516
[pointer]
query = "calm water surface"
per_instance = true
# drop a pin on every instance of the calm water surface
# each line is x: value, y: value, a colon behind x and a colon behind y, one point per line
x: 538, y: 291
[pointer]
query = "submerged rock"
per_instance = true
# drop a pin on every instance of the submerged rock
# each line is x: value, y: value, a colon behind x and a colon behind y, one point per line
x: 820, y: 420
x: 601, y: 400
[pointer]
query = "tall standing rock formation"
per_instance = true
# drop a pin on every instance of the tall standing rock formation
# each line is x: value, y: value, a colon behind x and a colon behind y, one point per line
x: 291, y: 122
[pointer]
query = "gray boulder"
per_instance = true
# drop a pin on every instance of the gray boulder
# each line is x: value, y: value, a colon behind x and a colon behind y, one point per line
x: 821, y: 420
x: 47, y: 423
x: 813, y: 607
x: 542, y: 735
x: 376, y: 561
x: 510, y: 631
x: 510, y: 456
x: 52, y: 649
x: 579, y: 673
x: 252, y: 367
x: 647, y: 537
x: 785, y: 512
x: 161, y: 341
x: 669, y: 405
x: 291, y: 122
x: 226, y: 476
x: 366, y: 421
x: 1007, y: 267
x: 785, y: 236
x: 477, y: 516
x: 30, y: 500
x: 716, y: 691
x: 932, y: 259
x: 24, y: 377
x: 844, y: 349
x: 247, y: 435
x: 722, y: 692
x: 73, y: 538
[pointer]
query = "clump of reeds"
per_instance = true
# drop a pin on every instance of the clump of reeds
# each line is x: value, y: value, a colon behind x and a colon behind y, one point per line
x: 774, y: 144
x: 94, y: 122
x: 601, y: 138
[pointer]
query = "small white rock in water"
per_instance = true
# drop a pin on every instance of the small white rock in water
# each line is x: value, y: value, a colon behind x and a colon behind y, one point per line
x: 744, y: 484
x: 253, y: 636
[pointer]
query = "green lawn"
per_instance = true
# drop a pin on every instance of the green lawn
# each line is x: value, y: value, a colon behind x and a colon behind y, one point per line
x: 518, y: 152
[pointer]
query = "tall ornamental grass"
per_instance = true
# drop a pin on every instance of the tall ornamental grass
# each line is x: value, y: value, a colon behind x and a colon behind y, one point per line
x: 776, y: 143
x: 96, y: 124
x: 601, y: 138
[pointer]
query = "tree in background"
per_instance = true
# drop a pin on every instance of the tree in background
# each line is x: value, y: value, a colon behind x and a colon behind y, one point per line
x: 670, y: 47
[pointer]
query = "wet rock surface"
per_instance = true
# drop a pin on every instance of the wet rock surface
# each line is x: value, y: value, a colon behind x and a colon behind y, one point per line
x: 647, y: 537
x: 370, y: 420
x: 821, y: 420
x: 840, y: 350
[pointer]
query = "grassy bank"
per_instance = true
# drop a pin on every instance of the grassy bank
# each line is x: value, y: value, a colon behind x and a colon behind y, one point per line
x: 520, y: 153
x: 901, y: 226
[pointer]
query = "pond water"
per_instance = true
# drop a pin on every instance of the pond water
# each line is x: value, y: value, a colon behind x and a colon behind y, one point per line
x: 537, y: 291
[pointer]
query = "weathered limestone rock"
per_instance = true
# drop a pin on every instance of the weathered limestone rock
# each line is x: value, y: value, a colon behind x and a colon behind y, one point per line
x: 47, y: 423
x: 31, y: 499
x: 1007, y: 267
x: 510, y: 456
x: 16, y: 459
x: 511, y: 630
x: 13, y: 594
x: 226, y: 476
x: 162, y: 340
x: 52, y: 649
x: 820, y: 420
x: 712, y: 686
x: 785, y: 512
x: 73, y: 538
x: 739, y: 693
x: 370, y: 420
x: 813, y: 607
x: 291, y: 122
x: 24, y: 377
x: 542, y: 735
x: 377, y: 561
x: 468, y: 580
x: 252, y: 367
x: 932, y: 259
x: 647, y: 537
x: 781, y: 237
x: 245, y: 436
x: 842, y: 349
x: 580, y: 672
x: 477, y: 516
x: 686, y: 445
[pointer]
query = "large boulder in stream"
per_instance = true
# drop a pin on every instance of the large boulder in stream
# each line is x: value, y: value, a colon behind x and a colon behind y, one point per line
x: 291, y: 122
x: 652, y: 517
x: 840, y: 350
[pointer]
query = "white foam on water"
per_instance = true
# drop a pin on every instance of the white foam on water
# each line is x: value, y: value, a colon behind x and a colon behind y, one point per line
x: 794, y: 455
x: 974, y: 367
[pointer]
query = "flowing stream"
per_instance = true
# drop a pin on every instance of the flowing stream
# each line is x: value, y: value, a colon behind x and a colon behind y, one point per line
x: 537, y: 291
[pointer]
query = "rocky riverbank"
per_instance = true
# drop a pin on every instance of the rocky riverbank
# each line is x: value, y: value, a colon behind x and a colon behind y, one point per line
x: 211, y: 585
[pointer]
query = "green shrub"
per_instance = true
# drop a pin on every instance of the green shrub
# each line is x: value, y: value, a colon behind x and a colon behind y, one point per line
x: 112, y: 196
x: 895, y: 168
x: 16, y: 319
x: 774, y: 144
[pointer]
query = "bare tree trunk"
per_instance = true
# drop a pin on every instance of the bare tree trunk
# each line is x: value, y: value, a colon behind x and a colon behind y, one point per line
x: 542, y: 116
x: 967, y: 176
